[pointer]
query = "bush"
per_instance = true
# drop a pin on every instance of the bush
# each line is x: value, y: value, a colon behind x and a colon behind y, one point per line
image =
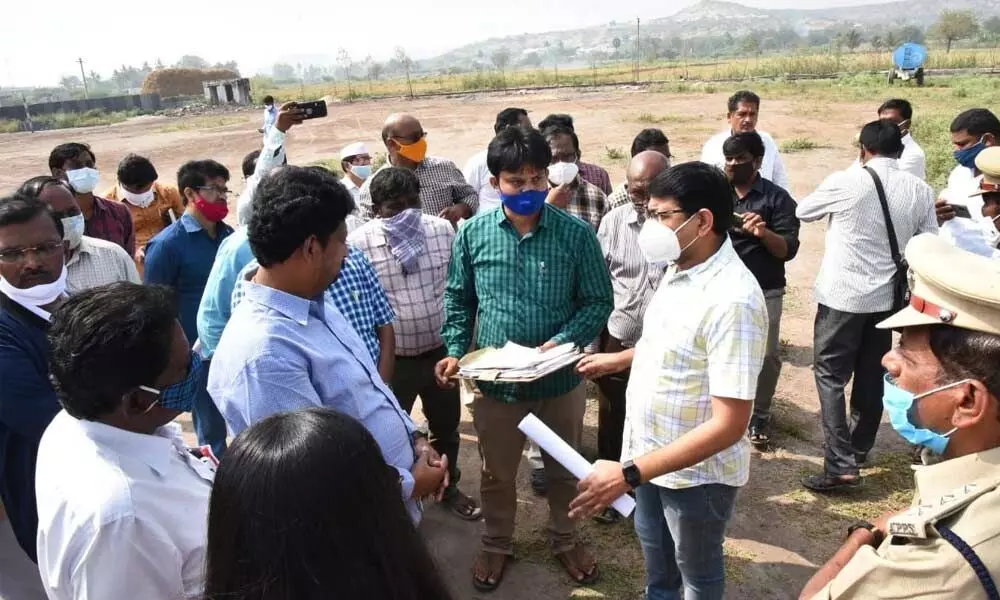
x: 798, y: 145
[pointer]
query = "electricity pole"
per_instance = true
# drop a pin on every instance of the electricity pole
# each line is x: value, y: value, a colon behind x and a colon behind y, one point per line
x: 638, y: 42
x: 86, y: 93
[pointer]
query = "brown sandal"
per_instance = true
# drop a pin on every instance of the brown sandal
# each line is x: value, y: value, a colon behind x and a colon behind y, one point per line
x: 572, y: 558
x: 490, y: 559
x: 463, y: 506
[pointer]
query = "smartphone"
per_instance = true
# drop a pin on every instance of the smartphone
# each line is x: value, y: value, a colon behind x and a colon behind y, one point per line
x: 737, y: 221
x: 312, y: 110
x: 961, y: 211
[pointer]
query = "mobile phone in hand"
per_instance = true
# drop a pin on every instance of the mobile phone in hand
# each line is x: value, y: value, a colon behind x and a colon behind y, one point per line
x: 737, y: 220
x: 312, y: 110
x: 961, y: 211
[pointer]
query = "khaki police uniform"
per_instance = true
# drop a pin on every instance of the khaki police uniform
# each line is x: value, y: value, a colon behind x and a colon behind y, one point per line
x: 988, y: 163
x: 956, y: 509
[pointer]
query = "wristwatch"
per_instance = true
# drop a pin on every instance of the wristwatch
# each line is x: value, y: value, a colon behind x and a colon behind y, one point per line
x: 876, y: 533
x: 632, y: 475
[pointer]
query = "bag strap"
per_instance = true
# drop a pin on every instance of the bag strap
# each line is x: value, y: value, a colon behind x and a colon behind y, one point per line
x: 970, y: 556
x: 893, y: 244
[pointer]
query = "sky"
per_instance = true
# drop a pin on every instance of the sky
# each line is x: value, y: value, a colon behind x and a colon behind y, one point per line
x: 44, y: 42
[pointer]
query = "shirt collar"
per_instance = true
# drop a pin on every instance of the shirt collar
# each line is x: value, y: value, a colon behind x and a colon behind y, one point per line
x: 758, y: 184
x: 888, y: 163
x: 293, y: 307
x: 190, y: 224
x: 154, y: 450
x: 501, y: 217
x: 710, y: 267
x: 938, y: 480
x: 99, y: 205
x: 23, y: 313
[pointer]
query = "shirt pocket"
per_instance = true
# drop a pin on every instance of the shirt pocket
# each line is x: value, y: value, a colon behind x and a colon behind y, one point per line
x: 549, y: 279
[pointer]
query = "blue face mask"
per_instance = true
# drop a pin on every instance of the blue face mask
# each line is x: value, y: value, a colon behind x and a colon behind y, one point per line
x: 967, y: 156
x: 361, y: 171
x: 180, y: 396
x: 525, y: 203
x: 900, y: 404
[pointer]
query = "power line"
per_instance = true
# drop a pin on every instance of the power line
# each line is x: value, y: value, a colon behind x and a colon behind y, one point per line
x: 86, y: 92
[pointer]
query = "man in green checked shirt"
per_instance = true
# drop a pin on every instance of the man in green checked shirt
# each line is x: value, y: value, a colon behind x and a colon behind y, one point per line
x: 534, y: 275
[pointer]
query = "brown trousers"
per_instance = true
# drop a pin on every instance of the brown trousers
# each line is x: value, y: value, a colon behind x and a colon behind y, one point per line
x: 500, y: 445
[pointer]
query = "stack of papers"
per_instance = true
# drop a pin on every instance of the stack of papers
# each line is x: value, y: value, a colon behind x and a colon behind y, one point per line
x: 516, y: 363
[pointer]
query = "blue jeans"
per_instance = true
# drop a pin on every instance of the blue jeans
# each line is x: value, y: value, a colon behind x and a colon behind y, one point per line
x: 681, y: 532
x: 209, y: 423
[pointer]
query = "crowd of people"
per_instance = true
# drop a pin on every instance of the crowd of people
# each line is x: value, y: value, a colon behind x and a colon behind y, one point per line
x: 305, y: 335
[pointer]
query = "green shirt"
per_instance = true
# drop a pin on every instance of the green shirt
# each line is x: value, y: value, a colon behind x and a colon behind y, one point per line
x: 551, y: 284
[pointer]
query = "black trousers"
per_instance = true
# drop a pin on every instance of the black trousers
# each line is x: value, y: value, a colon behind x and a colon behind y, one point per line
x: 848, y: 344
x: 611, y: 406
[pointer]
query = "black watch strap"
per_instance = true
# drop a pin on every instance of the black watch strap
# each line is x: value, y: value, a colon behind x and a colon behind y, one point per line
x: 632, y: 475
x: 876, y: 533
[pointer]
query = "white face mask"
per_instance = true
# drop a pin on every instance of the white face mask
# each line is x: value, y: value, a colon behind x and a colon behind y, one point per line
x: 83, y: 180
x: 990, y: 233
x: 37, y: 296
x: 659, y: 243
x: 73, y: 230
x: 142, y: 200
x: 563, y: 172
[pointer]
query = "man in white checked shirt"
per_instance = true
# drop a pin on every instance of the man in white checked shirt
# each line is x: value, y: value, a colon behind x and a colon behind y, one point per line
x: 855, y: 292
x: 410, y: 252
x: 690, y: 395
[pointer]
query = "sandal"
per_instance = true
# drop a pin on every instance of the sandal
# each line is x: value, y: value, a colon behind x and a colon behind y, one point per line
x: 760, y: 439
x: 608, y: 516
x: 463, y: 506
x: 496, y: 566
x: 572, y: 558
x: 828, y: 483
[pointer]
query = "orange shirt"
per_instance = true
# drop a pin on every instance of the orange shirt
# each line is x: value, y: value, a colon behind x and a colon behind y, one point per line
x: 154, y: 218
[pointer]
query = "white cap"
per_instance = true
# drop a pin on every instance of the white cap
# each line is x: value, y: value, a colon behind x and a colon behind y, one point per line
x: 355, y: 149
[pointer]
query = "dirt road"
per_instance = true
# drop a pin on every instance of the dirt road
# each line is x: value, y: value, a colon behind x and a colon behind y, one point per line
x: 780, y: 532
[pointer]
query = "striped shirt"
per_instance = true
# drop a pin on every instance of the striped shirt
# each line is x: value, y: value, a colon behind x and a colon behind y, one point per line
x: 588, y: 203
x: 549, y: 285
x: 632, y: 277
x: 357, y: 294
x: 857, y: 270
x: 417, y: 298
x: 98, y: 262
x: 703, y: 335
x: 442, y: 186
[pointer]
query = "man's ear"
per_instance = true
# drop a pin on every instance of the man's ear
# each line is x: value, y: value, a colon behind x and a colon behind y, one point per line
x: 976, y: 405
x: 990, y: 140
x: 494, y: 183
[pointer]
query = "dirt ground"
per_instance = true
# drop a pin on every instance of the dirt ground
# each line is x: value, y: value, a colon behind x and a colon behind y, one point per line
x: 780, y: 533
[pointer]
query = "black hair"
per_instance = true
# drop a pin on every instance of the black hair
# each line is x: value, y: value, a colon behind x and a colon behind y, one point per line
x: 394, y: 183
x: 515, y: 147
x: 250, y: 163
x: 882, y: 138
x: 563, y: 120
x: 33, y: 187
x: 509, y: 117
x: 20, y: 209
x: 697, y: 186
x: 269, y: 99
x: 136, y: 171
x: 288, y: 533
x: 290, y: 206
x: 744, y: 96
x: 966, y: 354
x: 977, y: 122
x: 903, y: 107
x: 744, y: 142
x: 108, y: 341
x: 196, y: 173
x: 63, y: 152
x: 650, y: 138
x: 555, y: 130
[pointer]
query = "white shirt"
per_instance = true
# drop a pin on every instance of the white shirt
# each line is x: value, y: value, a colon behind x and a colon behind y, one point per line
x: 913, y: 160
x: 857, y: 269
x: 271, y: 155
x: 976, y: 233
x: 477, y: 174
x: 772, y: 169
x: 351, y: 187
x: 121, y: 515
x: 704, y: 334
x: 98, y: 262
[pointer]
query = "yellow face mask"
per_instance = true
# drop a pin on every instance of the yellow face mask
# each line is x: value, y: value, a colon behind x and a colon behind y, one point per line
x: 416, y: 151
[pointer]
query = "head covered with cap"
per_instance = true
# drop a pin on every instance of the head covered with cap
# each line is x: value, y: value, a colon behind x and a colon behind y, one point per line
x: 942, y: 384
x: 356, y: 162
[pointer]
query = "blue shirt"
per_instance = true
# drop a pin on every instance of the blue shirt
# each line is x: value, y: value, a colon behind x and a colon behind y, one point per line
x: 282, y: 352
x: 358, y: 295
x: 216, y: 303
x: 27, y: 405
x: 181, y: 256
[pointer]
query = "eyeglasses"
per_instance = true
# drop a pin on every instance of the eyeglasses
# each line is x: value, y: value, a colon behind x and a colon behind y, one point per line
x: 42, y: 251
x: 221, y: 191
x: 662, y: 215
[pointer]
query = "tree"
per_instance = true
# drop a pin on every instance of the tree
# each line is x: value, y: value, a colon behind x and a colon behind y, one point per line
x: 531, y: 59
x: 159, y: 64
x: 955, y: 25
x: 283, y: 73
x: 190, y: 61
x: 877, y: 43
x: 346, y: 65
x: 911, y: 33
x: 406, y: 63
x: 750, y: 45
x: 231, y: 65
x: 992, y: 27
x: 891, y: 40
x: 500, y: 59
x: 71, y: 82
x: 852, y: 39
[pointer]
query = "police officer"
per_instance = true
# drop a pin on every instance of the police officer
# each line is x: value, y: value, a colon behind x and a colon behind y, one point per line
x: 988, y: 162
x: 942, y: 392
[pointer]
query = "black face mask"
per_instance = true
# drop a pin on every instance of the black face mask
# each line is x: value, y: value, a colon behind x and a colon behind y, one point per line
x: 742, y: 173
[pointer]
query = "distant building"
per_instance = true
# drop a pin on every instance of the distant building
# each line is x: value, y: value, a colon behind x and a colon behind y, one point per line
x: 228, y: 91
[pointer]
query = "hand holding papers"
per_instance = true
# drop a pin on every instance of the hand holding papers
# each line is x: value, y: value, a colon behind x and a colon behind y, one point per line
x: 516, y: 363
x: 565, y: 455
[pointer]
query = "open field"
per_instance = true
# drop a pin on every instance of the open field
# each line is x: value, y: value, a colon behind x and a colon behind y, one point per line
x: 780, y: 533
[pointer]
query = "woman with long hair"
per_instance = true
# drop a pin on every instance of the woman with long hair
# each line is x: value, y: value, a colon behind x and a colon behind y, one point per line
x: 304, y: 507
